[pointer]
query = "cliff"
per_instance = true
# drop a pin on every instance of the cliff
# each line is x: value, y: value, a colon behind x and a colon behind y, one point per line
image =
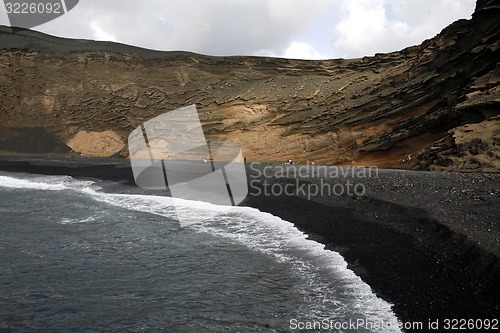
x: 437, y: 103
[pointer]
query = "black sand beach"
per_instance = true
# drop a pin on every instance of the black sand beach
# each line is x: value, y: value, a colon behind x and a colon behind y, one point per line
x: 428, y: 243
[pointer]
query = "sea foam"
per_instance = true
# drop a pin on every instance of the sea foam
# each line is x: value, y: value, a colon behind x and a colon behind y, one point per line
x: 256, y: 230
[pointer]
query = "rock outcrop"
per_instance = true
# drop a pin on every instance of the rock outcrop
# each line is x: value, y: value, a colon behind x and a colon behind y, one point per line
x: 433, y: 107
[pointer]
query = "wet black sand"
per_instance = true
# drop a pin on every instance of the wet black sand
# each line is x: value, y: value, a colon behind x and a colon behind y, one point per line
x: 428, y: 243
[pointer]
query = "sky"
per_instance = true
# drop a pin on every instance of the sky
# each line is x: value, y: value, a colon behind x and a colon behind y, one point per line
x: 300, y: 29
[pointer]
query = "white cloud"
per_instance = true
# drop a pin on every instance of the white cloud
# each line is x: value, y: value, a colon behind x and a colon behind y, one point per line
x: 292, y: 28
x: 301, y: 50
x: 371, y: 26
x: 100, y: 34
x: 366, y: 30
x: 216, y: 27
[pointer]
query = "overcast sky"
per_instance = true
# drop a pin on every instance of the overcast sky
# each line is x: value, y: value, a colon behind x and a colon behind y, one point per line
x: 305, y: 29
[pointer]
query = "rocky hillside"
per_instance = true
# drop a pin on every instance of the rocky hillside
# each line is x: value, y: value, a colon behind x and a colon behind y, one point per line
x: 434, y: 106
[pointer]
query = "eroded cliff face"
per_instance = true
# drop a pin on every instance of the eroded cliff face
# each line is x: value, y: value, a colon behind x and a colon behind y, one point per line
x: 437, y: 103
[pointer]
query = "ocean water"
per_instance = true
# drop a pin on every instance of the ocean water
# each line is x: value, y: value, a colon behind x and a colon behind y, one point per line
x: 76, y: 259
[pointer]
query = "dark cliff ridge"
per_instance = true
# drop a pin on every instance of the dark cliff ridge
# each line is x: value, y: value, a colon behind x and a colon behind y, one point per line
x: 429, y: 107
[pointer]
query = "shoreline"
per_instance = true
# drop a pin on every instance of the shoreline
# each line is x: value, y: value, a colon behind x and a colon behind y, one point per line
x: 425, y: 263
x: 431, y: 252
